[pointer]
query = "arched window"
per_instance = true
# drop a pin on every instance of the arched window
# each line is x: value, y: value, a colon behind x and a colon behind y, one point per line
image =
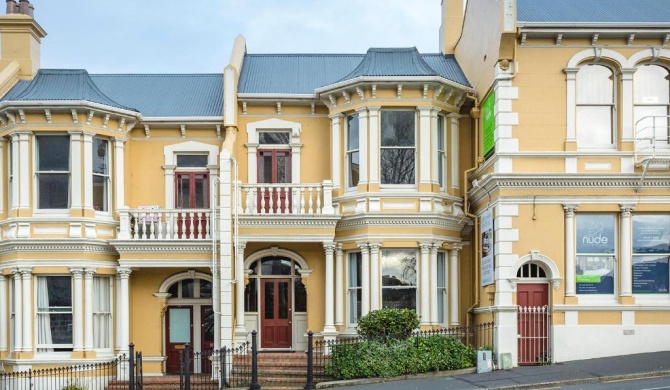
x: 652, y: 100
x: 595, y: 106
x: 191, y: 289
x: 531, y: 270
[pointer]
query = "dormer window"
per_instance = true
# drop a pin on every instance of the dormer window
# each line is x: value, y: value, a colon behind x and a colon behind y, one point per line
x: 398, y: 144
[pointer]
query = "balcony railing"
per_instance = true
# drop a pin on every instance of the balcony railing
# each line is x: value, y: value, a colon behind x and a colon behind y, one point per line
x: 165, y: 224
x: 652, y: 138
x: 286, y: 199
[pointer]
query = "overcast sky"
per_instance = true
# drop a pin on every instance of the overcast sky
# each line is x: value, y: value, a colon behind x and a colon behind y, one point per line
x: 196, y: 36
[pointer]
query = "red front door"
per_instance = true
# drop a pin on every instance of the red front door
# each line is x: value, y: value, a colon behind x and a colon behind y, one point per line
x: 191, y: 192
x: 533, y: 323
x: 179, y: 331
x: 274, y: 167
x: 276, y: 313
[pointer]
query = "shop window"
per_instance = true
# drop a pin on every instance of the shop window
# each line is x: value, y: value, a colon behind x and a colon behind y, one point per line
x: 595, y: 106
x: 53, y: 171
x: 398, y: 147
x: 399, y: 279
x: 651, y: 253
x: 54, y: 313
x: 596, y: 243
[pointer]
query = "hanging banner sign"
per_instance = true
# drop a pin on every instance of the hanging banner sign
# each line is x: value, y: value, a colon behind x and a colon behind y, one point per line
x: 487, y: 266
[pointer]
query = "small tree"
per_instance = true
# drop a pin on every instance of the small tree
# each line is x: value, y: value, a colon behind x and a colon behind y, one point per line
x: 395, y: 324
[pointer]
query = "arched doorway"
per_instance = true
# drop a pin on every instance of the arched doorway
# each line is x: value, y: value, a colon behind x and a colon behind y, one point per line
x: 276, y: 301
x: 533, y: 315
x: 189, y: 316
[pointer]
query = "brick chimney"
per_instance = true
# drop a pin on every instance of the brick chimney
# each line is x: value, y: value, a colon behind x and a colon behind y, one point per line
x: 21, y: 36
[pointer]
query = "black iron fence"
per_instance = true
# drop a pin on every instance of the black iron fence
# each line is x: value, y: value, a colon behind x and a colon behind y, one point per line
x: 216, y: 369
x: 122, y: 373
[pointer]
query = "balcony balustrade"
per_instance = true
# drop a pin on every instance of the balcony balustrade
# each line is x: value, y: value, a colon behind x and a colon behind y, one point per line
x: 165, y: 224
x: 286, y: 199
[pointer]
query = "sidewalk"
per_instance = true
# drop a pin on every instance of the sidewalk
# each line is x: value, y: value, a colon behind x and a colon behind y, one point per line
x: 531, y: 377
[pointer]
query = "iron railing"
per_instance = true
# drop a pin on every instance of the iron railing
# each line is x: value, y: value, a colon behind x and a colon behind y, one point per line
x: 216, y: 369
x: 533, y: 342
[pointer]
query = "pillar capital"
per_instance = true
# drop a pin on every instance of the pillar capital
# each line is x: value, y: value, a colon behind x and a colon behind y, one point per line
x: 626, y: 209
x: 123, y: 272
x: 329, y: 247
x: 570, y: 210
x: 77, y: 272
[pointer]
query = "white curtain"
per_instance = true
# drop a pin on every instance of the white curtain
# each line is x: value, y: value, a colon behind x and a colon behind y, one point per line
x: 102, y: 313
x: 43, y: 316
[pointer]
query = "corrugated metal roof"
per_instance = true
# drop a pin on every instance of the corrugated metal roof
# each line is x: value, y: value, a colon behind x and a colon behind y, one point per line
x: 293, y: 73
x: 303, y: 73
x: 166, y: 95
x: 64, y: 84
x: 593, y: 11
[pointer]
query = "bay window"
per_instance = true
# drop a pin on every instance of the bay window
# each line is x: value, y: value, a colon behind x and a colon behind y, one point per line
x: 353, y: 154
x: 102, y: 312
x: 354, y: 286
x: 651, y: 253
x: 398, y: 147
x: 399, y: 279
x: 595, y: 106
x: 53, y: 171
x: 54, y: 313
x: 441, y: 288
x: 100, y: 174
x: 440, y: 151
x: 595, y: 243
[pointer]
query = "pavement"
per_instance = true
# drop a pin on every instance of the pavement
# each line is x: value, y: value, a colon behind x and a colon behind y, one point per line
x: 609, y: 369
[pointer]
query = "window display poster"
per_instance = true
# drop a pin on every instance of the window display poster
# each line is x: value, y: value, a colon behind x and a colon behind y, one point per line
x: 651, y: 251
x: 650, y: 275
x: 651, y: 234
x: 595, y: 254
x: 487, y: 268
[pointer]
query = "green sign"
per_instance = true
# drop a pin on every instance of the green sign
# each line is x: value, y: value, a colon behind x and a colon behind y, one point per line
x: 588, y: 279
x: 488, y: 123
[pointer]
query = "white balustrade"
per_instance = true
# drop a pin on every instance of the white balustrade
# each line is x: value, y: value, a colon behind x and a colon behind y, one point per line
x: 165, y: 224
x: 286, y: 198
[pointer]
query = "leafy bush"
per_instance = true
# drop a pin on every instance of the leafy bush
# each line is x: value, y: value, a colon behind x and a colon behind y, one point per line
x: 386, y: 358
x: 388, y: 323
x: 73, y: 386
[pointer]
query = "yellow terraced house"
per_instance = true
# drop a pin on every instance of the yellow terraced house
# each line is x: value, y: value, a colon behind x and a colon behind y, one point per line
x: 520, y: 174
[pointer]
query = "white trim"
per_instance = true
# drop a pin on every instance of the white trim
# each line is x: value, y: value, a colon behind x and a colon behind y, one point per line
x: 170, y: 153
x: 274, y: 251
x: 169, y: 281
x: 252, y: 145
x: 536, y: 257
x: 597, y: 52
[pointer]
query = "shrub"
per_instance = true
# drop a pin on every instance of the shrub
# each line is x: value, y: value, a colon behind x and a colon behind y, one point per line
x: 388, y: 323
x: 73, y: 386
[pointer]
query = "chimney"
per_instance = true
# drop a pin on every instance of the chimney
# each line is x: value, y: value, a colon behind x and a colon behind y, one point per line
x: 24, y: 7
x: 11, y: 6
x: 452, y: 24
x: 31, y: 11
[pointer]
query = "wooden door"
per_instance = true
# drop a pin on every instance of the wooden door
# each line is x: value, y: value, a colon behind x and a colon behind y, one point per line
x: 276, y: 313
x: 191, y: 192
x: 206, y: 337
x: 533, y: 323
x: 179, y: 331
x: 274, y: 167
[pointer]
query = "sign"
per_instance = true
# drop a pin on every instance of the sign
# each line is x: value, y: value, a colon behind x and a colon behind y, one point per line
x: 488, y: 124
x: 650, y: 275
x: 487, y: 266
x: 651, y: 253
x: 595, y: 254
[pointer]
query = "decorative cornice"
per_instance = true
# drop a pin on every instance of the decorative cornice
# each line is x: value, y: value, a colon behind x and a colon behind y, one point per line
x: 287, y: 221
x: 147, y: 246
x: 32, y: 245
x: 395, y: 220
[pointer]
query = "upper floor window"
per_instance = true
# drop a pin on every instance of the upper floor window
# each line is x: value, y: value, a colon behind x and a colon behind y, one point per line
x: 595, y: 106
x: 101, y: 177
x: 652, y: 100
x: 353, y: 153
x: 10, y: 177
x: 274, y: 137
x: 441, y: 150
x: 398, y: 157
x: 53, y: 171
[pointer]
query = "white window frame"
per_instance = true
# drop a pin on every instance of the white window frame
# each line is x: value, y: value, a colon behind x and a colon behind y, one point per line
x: 10, y: 177
x: 273, y: 125
x: 349, y: 152
x: 381, y: 149
x: 442, y: 291
x: 441, y: 151
x: 38, y: 346
x: 352, y: 258
x: 612, y: 109
x: 666, y: 105
x: 417, y: 292
x: 62, y: 211
x: 608, y: 297
x: 108, y: 314
x: 170, y: 154
x: 107, y: 177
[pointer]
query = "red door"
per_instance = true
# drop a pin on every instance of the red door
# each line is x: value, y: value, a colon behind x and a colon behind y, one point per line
x: 274, y: 167
x: 191, y: 192
x: 179, y: 331
x: 533, y: 323
x: 206, y: 337
x: 276, y: 315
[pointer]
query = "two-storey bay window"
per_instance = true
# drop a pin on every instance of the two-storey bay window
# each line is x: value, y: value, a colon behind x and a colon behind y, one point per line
x: 353, y: 155
x: 595, y: 106
x: 652, y: 101
x: 53, y: 171
x: 399, y: 279
x: 651, y: 253
x: 354, y: 286
x: 441, y: 288
x: 102, y: 312
x: 441, y: 150
x: 10, y: 177
x: 100, y: 174
x: 596, y: 251
x: 54, y: 313
x: 398, y: 144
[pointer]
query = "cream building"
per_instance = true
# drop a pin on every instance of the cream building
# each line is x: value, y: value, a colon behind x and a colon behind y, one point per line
x: 291, y: 193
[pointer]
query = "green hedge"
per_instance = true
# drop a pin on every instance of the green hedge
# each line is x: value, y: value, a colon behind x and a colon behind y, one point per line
x: 386, y: 358
x: 388, y: 323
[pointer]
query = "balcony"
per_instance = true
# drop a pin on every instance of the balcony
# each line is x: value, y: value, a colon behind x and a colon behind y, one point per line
x: 652, y: 142
x: 165, y: 224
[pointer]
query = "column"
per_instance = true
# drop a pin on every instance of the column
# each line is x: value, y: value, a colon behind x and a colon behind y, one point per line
x: 571, y: 86
x: 433, y: 283
x: 77, y: 312
x: 424, y: 149
x: 569, y: 249
x: 18, y: 312
x: 240, y: 328
x: 365, y: 278
x: 3, y: 313
x: 2, y: 169
x: 424, y: 289
x: 335, y: 121
x: 26, y: 276
x: 374, y: 276
x: 453, y: 285
x: 626, y: 252
x: 75, y: 172
x: 216, y: 304
x: 88, y: 308
x: 363, y: 145
x: 329, y: 326
x: 119, y: 174
x: 373, y: 145
x: 339, y: 285
x: 15, y: 172
x: 123, y: 309
x: 627, y: 113
x: 23, y: 165
x: 454, y: 157
x: 88, y: 170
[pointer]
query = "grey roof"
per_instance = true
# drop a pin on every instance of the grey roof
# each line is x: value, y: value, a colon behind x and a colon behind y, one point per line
x: 303, y: 73
x: 154, y: 95
x: 594, y: 11
x: 62, y: 84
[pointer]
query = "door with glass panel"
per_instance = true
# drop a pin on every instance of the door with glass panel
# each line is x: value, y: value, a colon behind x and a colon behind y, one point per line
x: 274, y: 167
x: 178, y: 321
x: 191, y: 192
x: 276, y: 315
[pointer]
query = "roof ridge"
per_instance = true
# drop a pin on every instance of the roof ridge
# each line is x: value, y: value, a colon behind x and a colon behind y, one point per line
x: 155, y: 74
